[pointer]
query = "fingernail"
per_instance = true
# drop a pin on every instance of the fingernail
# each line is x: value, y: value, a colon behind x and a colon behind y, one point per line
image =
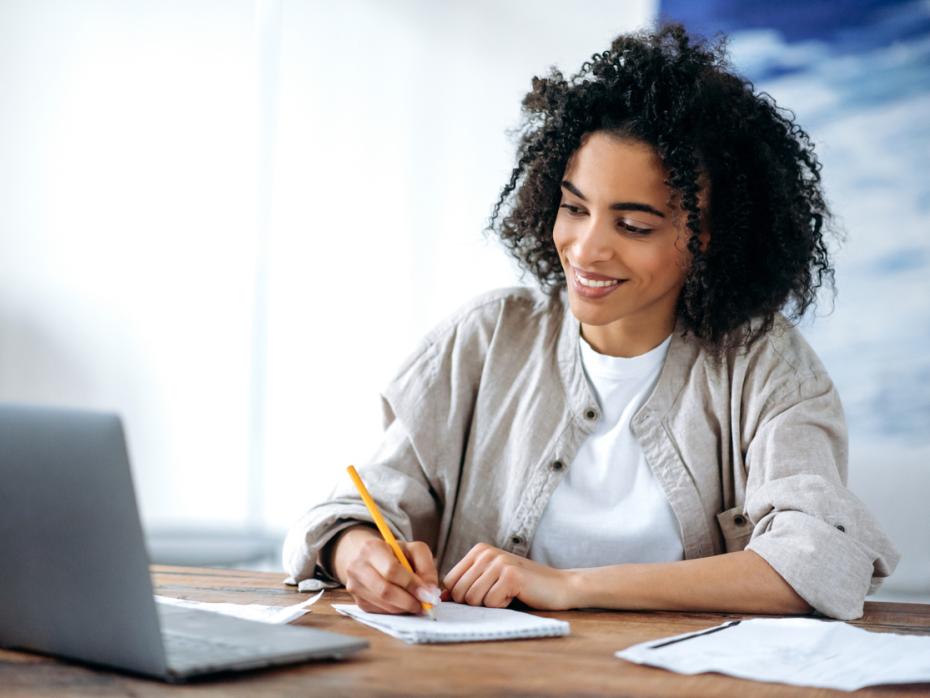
x: 428, y: 595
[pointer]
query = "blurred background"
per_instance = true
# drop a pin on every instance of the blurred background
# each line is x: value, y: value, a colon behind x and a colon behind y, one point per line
x: 230, y: 221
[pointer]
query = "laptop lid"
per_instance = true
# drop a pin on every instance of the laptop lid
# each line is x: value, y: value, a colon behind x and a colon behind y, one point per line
x: 74, y: 572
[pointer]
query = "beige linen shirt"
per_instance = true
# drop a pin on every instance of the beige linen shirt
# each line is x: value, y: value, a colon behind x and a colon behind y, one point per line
x: 485, y: 417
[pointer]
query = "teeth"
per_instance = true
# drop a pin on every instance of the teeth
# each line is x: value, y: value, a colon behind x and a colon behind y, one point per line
x: 591, y: 283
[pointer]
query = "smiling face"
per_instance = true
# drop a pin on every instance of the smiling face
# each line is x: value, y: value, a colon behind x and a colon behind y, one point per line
x: 624, y: 251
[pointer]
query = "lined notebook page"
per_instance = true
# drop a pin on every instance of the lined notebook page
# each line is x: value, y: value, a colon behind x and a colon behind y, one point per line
x: 459, y: 623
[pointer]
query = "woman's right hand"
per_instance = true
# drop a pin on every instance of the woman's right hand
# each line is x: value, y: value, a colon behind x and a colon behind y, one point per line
x: 370, y: 571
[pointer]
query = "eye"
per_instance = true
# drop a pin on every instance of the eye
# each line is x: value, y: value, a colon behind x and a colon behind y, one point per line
x: 572, y: 209
x: 630, y: 228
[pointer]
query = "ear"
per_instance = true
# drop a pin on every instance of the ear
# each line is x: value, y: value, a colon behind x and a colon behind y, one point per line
x: 681, y: 242
x: 704, y: 208
x: 704, y: 237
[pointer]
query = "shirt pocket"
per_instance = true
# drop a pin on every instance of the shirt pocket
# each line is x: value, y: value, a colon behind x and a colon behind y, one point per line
x: 735, y: 527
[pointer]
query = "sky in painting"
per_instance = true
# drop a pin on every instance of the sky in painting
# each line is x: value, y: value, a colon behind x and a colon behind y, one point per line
x: 857, y: 75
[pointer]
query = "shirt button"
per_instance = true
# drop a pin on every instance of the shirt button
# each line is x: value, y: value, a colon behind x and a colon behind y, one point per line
x: 739, y: 520
x: 590, y: 413
x: 557, y: 465
x: 516, y: 540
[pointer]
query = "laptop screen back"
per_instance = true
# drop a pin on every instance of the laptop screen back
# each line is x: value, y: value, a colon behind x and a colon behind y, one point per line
x: 74, y: 576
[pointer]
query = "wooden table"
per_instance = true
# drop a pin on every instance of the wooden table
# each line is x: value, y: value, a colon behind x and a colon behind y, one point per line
x: 579, y: 665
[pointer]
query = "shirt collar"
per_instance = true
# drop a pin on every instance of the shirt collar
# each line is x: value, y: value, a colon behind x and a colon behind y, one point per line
x: 682, y: 354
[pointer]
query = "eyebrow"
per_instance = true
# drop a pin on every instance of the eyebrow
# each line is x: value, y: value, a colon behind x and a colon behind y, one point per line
x: 619, y: 206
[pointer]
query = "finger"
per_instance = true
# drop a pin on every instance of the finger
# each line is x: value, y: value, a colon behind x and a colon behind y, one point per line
x: 398, y: 575
x: 371, y: 608
x: 476, y: 593
x: 483, y: 560
x: 386, y: 562
x: 370, y: 586
x: 453, y: 576
x: 421, y: 559
x: 503, y: 590
x: 366, y: 587
x: 371, y: 604
x: 465, y: 582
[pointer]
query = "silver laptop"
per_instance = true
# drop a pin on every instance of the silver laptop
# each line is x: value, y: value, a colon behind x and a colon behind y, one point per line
x: 74, y: 572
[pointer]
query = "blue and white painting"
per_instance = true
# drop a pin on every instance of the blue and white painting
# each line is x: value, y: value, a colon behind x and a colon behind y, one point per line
x: 857, y: 75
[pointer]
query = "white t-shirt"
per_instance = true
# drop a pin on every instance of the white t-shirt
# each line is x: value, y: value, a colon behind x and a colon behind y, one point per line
x: 609, y: 509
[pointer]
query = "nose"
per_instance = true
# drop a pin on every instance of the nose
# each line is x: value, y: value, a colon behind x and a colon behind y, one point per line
x: 593, y: 242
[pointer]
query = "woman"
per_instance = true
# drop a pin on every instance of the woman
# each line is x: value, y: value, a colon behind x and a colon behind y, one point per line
x: 648, y: 431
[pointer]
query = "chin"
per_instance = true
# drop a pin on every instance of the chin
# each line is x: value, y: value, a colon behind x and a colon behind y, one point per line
x: 596, y: 316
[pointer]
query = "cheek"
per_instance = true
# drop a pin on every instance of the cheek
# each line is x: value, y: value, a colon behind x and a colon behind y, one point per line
x: 560, y: 237
x: 678, y: 263
x: 665, y: 264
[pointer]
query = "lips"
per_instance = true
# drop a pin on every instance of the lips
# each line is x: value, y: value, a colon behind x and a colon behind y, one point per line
x: 593, y: 286
x: 591, y: 276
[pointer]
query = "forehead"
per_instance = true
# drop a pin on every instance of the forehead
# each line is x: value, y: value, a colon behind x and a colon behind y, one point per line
x: 619, y: 169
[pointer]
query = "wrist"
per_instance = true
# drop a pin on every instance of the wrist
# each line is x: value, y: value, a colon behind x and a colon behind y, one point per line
x: 344, y: 547
x: 576, y: 588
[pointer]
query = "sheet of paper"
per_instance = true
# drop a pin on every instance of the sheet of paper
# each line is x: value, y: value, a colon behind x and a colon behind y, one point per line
x: 459, y: 623
x: 251, y: 611
x: 797, y: 651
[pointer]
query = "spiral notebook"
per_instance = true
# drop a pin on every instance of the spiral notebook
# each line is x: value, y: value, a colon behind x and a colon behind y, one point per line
x: 459, y: 623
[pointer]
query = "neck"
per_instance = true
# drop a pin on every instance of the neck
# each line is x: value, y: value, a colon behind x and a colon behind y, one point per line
x: 628, y: 337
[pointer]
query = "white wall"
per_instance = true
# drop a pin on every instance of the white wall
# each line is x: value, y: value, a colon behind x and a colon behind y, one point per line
x: 126, y: 233
x: 230, y: 221
x: 390, y: 151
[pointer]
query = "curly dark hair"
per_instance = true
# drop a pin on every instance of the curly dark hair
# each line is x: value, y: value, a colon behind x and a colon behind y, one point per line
x: 766, y: 209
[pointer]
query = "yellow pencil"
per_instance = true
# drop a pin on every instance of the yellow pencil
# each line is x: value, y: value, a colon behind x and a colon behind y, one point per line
x: 385, y: 531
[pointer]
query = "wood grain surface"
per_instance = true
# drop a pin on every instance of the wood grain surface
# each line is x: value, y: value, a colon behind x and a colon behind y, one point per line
x: 581, y: 664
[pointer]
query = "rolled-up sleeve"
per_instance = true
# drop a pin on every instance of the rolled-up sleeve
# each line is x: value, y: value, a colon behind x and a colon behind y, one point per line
x: 807, y: 525
x: 427, y: 417
x: 397, y: 483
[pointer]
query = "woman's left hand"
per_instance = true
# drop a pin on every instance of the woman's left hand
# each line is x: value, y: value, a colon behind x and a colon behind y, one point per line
x: 489, y: 576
